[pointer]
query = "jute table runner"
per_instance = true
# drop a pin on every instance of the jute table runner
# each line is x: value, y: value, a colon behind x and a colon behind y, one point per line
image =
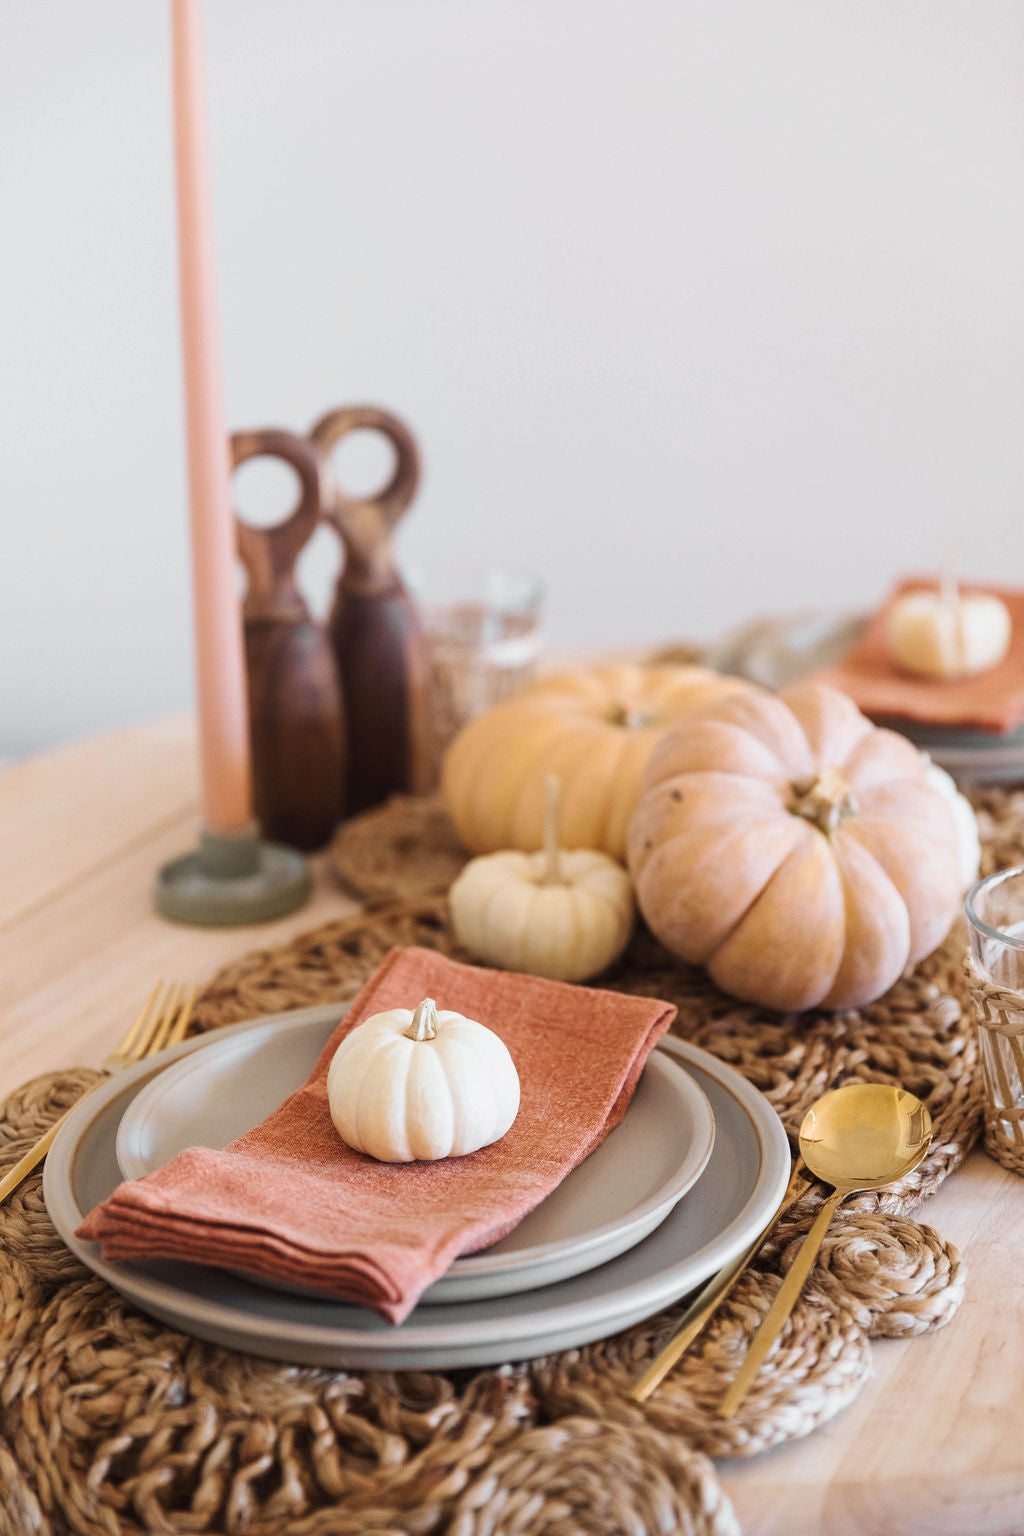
x: 112, y: 1423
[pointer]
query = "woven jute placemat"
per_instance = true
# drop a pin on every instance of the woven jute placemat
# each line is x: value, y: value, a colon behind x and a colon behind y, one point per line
x: 110, y: 1422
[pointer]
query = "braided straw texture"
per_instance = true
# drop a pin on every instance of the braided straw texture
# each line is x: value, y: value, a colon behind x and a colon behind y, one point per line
x: 401, y: 851
x: 1000, y: 1015
x: 592, y: 1478
x: 112, y: 1424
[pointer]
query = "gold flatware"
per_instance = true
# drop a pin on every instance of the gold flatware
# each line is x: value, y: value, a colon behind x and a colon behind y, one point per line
x: 706, y: 1303
x: 857, y: 1138
x: 163, y: 1021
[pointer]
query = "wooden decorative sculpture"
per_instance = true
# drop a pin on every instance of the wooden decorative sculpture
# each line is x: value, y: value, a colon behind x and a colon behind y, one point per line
x: 377, y: 640
x: 295, y: 701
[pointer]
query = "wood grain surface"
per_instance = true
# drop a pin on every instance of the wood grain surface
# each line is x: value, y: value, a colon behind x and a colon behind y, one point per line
x: 931, y: 1447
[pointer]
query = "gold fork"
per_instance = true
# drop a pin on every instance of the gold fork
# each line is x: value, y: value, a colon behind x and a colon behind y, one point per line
x: 163, y: 1021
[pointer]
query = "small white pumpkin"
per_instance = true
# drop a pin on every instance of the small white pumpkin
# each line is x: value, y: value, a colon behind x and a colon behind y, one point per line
x: 417, y: 1085
x: 968, y: 843
x: 564, y: 915
x: 945, y: 633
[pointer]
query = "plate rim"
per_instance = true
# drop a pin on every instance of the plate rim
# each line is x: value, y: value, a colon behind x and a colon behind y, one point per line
x: 669, y: 1192
x: 651, y: 1292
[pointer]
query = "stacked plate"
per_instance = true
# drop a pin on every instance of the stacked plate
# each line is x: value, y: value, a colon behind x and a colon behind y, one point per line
x: 684, y: 1183
x: 977, y: 755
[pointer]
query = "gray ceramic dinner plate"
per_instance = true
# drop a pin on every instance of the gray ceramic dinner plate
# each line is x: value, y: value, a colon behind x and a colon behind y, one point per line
x: 967, y: 754
x: 611, y: 1201
x: 743, y: 1183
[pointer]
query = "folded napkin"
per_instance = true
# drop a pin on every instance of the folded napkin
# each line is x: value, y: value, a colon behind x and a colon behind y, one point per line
x: 290, y: 1201
x: 992, y: 701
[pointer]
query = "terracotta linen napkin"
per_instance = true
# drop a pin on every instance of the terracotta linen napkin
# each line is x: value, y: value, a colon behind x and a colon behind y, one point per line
x: 290, y: 1201
x: 993, y: 701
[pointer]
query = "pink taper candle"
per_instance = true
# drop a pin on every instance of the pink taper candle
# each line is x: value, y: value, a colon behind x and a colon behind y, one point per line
x: 220, y: 659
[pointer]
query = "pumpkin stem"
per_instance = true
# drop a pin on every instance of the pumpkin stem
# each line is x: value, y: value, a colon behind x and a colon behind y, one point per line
x: 552, y: 828
x: 424, y: 1022
x: 826, y: 801
x: 629, y: 718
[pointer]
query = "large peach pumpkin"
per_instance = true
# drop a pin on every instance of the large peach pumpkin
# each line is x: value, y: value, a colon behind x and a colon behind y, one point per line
x: 794, y: 849
x: 594, y: 728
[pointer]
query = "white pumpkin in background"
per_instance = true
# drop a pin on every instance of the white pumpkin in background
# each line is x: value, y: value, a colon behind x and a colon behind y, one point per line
x: 967, y: 840
x: 946, y: 633
x: 420, y: 1084
x: 564, y: 915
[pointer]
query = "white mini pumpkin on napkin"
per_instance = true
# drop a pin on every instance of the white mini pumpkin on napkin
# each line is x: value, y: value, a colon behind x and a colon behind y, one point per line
x: 417, y: 1085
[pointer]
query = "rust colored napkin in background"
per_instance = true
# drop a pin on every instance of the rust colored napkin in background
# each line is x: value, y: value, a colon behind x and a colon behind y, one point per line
x: 290, y: 1201
x: 992, y: 701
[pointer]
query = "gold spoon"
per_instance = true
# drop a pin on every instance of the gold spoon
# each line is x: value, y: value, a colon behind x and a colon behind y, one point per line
x: 860, y: 1137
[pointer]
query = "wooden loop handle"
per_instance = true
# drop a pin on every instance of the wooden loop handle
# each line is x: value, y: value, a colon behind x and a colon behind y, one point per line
x: 365, y: 523
x: 269, y: 554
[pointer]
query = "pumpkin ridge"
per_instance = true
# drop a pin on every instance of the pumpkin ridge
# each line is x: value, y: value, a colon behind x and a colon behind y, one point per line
x: 738, y: 827
x: 656, y: 810
x: 577, y: 915
x: 416, y: 1093
x: 455, y: 1058
x: 486, y: 787
x: 706, y: 740
x: 883, y: 757
x: 378, y: 1085
x: 515, y: 913
x: 832, y: 725
x: 757, y: 897
x: 562, y: 755
x: 591, y: 878
x: 852, y: 941
x: 348, y: 1060
x: 458, y: 775
x: 584, y: 788
x: 926, y: 932
x: 764, y: 895
x: 765, y: 719
x: 469, y: 771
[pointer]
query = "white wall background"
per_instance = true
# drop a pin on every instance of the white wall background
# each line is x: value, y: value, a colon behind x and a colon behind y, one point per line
x: 701, y: 307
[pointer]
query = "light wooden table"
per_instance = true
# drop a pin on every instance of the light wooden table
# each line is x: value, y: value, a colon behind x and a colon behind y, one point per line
x: 932, y: 1447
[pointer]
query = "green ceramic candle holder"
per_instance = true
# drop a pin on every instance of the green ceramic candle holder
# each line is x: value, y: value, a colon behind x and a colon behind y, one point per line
x: 232, y: 879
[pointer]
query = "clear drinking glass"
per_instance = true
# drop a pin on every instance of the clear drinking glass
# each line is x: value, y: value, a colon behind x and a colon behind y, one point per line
x: 484, y: 638
x: 995, y: 913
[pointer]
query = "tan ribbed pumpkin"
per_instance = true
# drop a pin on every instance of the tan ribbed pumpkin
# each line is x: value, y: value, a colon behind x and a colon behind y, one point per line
x: 794, y: 849
x: 594, y: 728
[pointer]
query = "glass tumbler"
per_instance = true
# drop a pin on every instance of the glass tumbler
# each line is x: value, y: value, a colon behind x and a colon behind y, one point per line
x: 995, y: 913
x: 484, y: 637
